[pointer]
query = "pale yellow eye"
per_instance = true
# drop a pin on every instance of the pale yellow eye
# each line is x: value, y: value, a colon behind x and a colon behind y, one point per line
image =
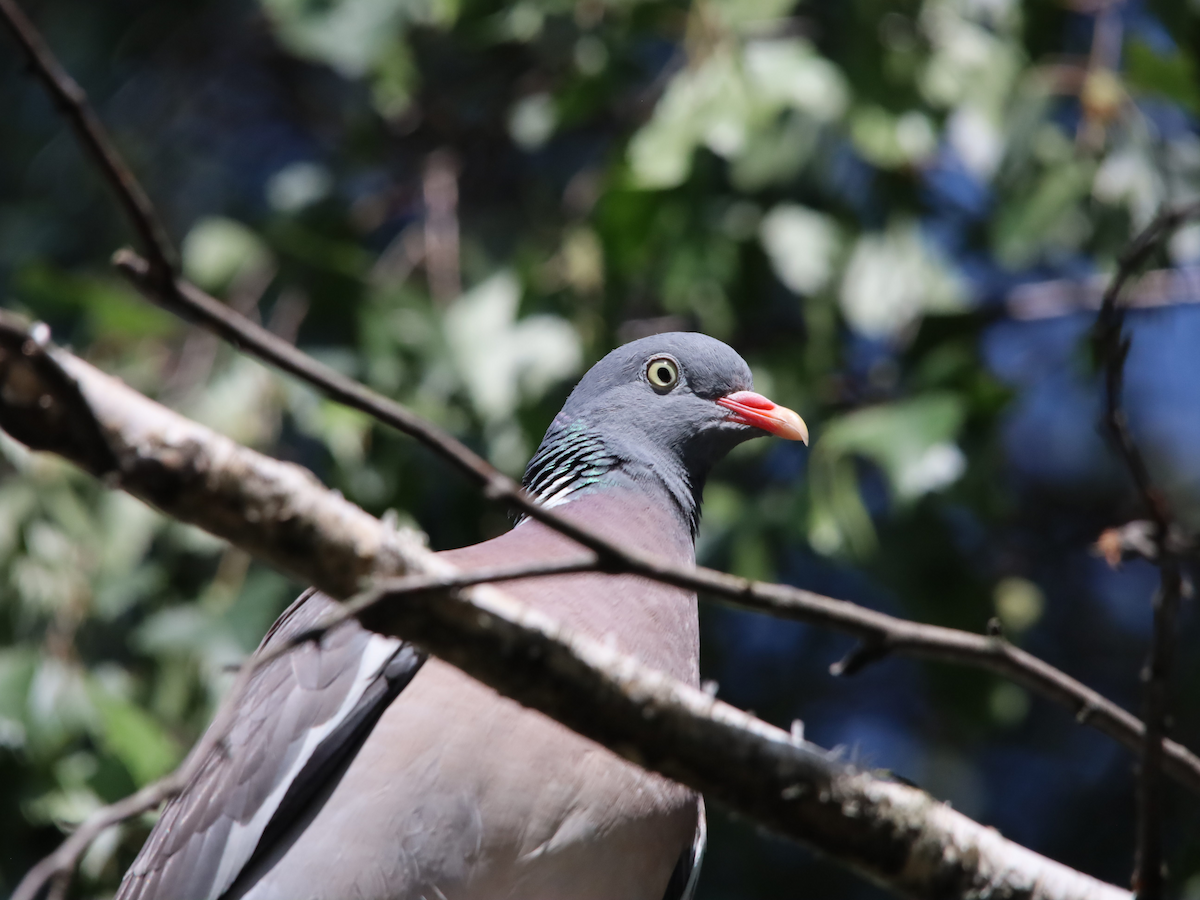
x: 663, y: 373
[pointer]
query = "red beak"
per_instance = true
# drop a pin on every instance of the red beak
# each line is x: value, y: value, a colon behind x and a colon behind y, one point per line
x: 754, y: 409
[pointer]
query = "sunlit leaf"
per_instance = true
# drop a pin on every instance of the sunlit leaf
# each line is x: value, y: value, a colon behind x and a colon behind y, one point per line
x: 910, y: 440
x: 895, y: 277
x: 217, y: 250
x: 501, y: 358
x: 134, y: 737
x: 802, y: 245
x: 352, y: 36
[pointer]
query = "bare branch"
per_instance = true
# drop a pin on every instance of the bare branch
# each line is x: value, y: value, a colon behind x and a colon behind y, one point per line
x: 1111, y: 347
x: 59, y: 867
x: 173, y: 481
x: 894, y: 834
x: 371, y: 606
x: 73, y: 104
x: 1067, y: 296
x: 883, y: 633
x: 157, y: 450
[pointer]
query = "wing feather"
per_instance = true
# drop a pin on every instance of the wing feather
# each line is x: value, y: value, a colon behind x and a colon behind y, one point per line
x: 302, y: 715
x: 684, y: 878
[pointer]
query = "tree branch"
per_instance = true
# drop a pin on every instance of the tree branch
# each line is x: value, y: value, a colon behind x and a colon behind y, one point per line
x: 72, y: 102
x: 1155, y: 289
x: 1111, y: 347
x: 57, y: 869
x: 278, y: 515
x: 883, y: 634
x: 160, y: 454
x: 894, y: 834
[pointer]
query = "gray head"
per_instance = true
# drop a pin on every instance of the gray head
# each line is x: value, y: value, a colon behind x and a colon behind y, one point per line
x: 656, y: 413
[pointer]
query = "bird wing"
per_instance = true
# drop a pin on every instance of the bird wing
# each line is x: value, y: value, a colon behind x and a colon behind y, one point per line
x: 301, y: 716
x: 682, y: 885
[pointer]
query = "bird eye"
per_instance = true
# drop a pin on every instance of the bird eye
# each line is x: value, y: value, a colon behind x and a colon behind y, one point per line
x: 663, y: 373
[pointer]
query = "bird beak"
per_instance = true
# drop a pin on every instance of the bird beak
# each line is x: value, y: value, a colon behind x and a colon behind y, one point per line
x: 754, y: 409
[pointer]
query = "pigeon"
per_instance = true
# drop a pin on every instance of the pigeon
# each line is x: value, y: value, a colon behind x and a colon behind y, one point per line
x: 355, y: 767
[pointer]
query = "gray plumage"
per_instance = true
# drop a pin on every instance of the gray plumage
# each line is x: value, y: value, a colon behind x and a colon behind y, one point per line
x: 356, y: 769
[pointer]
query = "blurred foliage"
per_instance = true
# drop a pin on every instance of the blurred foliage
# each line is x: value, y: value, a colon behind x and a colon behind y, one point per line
x: 464, y: 202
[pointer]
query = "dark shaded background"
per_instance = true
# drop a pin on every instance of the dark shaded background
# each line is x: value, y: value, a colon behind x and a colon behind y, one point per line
x: 898, y: 212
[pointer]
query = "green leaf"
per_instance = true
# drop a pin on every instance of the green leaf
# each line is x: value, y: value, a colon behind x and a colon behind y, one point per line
x: 502, y: 359
x: 1050, y: 216
x: 132, y: 736
x: 352, y: 36
x: 910, y: 440
x: 1170, y: 75
x: 895, y: 277
x: 217, y: 250
x: 898, y: 437
x: 802, y: 246
x: 731, y: 99
x: 108, y: 306
x: 16, y: 673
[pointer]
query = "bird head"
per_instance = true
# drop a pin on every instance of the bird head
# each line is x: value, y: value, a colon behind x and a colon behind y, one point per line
x: 664, y: 408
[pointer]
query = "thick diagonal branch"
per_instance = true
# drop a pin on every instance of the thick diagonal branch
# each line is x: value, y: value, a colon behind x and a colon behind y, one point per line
x: 169, y: 483
x: 879, y: 633
x: 894, y: 834
x: 165, y: 474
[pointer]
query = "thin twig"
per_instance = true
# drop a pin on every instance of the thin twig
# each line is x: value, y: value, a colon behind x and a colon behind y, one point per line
x: 366, y: 607
x: 1111, y: 347
x: 73, y: 104
x: 440, y: 190
x: 873, y: 628
x: 61, y: 864
x: 883, y: 632
x: 891, y: 832
x: 155, y: 276
x: 162, y: 453
x: 59, y: 867
x: 664, y: 725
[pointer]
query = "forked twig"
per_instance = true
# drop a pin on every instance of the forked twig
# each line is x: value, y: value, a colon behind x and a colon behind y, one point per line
x: 1111, y: 348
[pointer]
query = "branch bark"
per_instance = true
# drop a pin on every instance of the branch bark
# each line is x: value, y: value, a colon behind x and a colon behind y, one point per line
x: 1111, y: 346
x: 893, y: 834
x: 278, y: 512
x: 168, y: 480
x: 57, y: 869
x: 880, y: 634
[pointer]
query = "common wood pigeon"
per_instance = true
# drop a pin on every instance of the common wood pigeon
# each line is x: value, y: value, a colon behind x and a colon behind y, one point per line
x: 357, y: 769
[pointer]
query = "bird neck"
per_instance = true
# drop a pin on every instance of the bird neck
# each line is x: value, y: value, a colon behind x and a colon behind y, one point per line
x: 576, y: 461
